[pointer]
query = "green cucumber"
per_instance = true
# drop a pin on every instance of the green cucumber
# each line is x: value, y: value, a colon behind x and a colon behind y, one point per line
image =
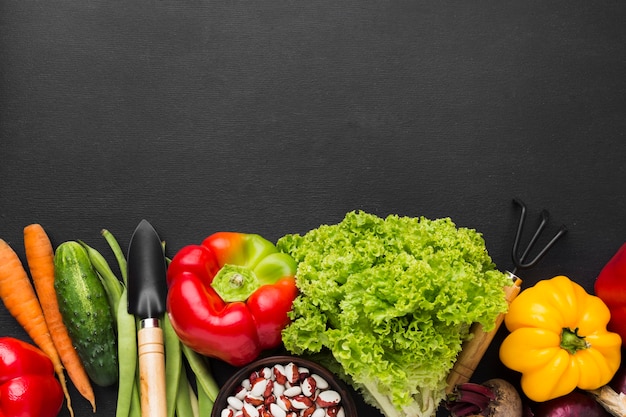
x: 86, y: 312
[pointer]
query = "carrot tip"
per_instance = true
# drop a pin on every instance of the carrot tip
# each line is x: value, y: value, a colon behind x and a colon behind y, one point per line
x: 68, y: 399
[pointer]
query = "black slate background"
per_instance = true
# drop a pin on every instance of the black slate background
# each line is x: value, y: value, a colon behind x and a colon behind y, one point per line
x: 277, y: 116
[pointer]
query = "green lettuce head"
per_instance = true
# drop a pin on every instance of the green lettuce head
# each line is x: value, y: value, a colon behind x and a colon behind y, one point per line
x: 387, y: 303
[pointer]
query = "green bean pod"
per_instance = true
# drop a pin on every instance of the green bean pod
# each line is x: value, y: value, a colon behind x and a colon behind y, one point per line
x: 186, y: 401
x: 173, y: 365
x: 127, y: 354
x: 205, y: 404
x: 117, y: 251
x: 112, y: 285
x: 135, y: 402
x: 204, y: 378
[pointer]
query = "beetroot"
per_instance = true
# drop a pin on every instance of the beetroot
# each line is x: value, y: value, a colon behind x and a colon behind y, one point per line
x: 493, y: 398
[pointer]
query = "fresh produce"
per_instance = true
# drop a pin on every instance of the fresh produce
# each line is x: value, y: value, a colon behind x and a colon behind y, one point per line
x: 86, y: 312
x: 173, y: 365
x: 387, y: 304
x: 612, y: 397
x: 493, y: 398
x: 229, y: 297
x: 112, y: 286
x: 610, y: 286
x: 28, y: 387
x: 206, y: 385
x: 20, y: 299
x: 181, y: 398
x: 128, y: 401
x: 574, y: 404
x: 40, y: 258
x: 559, y: 340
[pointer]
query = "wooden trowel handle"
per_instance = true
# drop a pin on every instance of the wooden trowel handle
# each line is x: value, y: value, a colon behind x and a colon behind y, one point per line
x: 474, y: 349
x: 151, y: 369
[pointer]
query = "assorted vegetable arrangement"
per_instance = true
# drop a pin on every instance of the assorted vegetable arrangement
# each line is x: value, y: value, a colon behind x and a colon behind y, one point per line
x: 76, y: 283
x: 401, y: 308
x: 181, y: 399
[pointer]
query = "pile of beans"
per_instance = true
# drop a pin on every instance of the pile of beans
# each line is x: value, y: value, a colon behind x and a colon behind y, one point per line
x: 284, y: 391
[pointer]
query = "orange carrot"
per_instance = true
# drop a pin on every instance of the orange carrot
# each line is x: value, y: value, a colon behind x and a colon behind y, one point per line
x: 18, y: 296
x: 40, y: 258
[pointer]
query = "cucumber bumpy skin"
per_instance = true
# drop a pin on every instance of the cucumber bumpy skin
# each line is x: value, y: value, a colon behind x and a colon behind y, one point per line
x: 86, y: 312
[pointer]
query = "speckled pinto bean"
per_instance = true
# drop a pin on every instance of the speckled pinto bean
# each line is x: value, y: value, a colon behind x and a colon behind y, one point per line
x: 284, y: 391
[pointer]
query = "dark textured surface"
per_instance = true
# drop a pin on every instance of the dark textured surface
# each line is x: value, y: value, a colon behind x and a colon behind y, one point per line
x: 277, y: 116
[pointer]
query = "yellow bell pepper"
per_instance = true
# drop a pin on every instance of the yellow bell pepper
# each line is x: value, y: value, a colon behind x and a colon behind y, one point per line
x: 559, y: 340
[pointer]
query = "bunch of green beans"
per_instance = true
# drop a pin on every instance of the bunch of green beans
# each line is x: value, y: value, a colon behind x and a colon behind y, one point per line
x: 182, y: 399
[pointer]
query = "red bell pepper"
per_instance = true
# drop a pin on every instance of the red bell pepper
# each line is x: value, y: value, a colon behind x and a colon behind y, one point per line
x: 229, y: 297
x: 610, y: 286
x: 28, y: 386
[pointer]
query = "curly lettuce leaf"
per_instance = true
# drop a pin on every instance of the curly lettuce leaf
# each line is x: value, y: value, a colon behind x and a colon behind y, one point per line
x: 391, y: 300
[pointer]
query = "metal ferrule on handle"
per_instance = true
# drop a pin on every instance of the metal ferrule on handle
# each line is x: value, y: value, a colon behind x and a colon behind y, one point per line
x: 149, y: 322
x: 152, y: 368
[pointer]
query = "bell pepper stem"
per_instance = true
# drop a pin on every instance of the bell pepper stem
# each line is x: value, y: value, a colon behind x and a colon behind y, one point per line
x: 572, y: 342
x: 235, y: 283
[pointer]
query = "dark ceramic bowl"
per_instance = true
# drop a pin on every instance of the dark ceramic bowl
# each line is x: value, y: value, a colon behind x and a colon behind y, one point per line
x: 234, y: 384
